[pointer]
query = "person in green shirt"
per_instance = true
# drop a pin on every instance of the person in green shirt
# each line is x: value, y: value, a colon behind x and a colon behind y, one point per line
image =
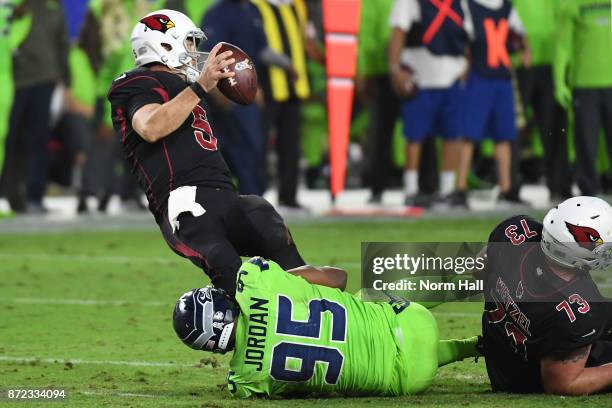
x: 297, y: 333
x: 107, y: 34
x: 40, y: 65
x: 15, y: 24
x: 375, y: 87
x: 536, y: 87
x: 6, y: 71
x: 6, y: 75
x: 583, y: 79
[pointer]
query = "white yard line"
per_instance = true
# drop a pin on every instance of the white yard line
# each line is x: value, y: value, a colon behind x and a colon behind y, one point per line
x: 116, y: 259
x: 349, y: 264
x: 87, y: 258
x: 457, y: 314
x: 94, y: 362
x: 81, y: 302
x: 133, y: 259
x: 117, y: 394
x: 118, y: 302
x: 468, y: 377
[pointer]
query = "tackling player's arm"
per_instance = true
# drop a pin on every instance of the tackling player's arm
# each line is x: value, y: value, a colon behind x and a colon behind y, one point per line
x: 155, y: 121
x: 566, y: 374
x: 322, y: 275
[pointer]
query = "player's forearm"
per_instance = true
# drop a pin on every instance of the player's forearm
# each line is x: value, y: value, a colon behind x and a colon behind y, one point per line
x: 324, y: 276
x: 168, y: 117
x: 565, y: 373
x: 395, y: 48
x: 340, y: 276
x: 563, y: 48
x: 590, y: 381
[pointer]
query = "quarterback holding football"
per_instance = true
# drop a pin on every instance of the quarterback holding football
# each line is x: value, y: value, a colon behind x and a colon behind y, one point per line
x: 160, y: 115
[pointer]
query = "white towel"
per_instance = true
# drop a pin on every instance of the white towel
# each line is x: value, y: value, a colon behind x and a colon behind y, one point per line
x: 183, y: 199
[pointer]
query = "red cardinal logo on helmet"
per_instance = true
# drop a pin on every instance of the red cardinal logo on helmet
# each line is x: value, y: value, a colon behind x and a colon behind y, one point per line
x: 586, y: 237
x: 158, y: 22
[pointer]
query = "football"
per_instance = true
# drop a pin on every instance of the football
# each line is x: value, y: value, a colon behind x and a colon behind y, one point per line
x: 243, y: 86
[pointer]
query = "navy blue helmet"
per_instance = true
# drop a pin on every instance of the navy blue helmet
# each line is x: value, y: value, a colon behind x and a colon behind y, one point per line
x: 204, y: 319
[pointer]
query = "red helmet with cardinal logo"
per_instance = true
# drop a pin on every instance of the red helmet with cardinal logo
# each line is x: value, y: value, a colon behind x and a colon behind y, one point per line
x: 578, y: 233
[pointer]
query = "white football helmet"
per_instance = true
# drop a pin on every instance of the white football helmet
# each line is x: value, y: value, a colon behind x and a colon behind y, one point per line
x: 162, y: 36
x: 578, y: 233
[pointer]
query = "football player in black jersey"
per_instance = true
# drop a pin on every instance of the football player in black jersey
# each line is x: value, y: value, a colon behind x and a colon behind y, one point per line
x: 160, y: 115
x: 546, y: 326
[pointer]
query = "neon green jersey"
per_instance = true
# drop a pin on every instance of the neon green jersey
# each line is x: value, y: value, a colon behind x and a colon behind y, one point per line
x: 118, y: 55
x: 374, y: 32
x: 539, y: 19
x: 6, y: 10
x: 584, y: 41
x: 83, y: 77
x: 6, y: 72
x: 293, y: 337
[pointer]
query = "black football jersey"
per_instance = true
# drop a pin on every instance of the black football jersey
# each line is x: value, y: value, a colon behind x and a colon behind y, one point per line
x: 530, y: 311
x: 189, y: 156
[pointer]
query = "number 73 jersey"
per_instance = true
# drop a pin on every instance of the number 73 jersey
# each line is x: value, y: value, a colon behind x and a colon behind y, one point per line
x: 530, y: 312
x: 294, y: 338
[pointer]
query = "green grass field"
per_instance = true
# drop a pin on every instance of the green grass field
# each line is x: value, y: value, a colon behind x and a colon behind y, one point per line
x: 91, y: 312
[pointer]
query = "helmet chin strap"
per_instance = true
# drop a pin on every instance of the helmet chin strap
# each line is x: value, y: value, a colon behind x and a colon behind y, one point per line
x: 226, y: 334
x: 604, y: 257
x: 191, y: 73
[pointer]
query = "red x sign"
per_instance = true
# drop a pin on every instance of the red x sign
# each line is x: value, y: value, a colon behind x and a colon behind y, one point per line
x: 444, y: 10
x: 497, y: 35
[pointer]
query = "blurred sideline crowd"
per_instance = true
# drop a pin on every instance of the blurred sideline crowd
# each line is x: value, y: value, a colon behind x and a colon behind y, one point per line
x: 451, y: 96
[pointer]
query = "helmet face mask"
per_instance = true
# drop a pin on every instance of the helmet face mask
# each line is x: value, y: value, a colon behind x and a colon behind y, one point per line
x: 577, y: 234
x: 192, y: 60
x: 169, y: 38
x: 204, y: 319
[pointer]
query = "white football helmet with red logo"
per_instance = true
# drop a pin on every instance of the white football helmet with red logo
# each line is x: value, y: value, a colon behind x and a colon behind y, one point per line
x: 578, y: 233
x: 163, y: 36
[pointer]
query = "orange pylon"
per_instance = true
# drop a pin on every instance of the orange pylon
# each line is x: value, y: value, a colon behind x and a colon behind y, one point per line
x: 341, y: 24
